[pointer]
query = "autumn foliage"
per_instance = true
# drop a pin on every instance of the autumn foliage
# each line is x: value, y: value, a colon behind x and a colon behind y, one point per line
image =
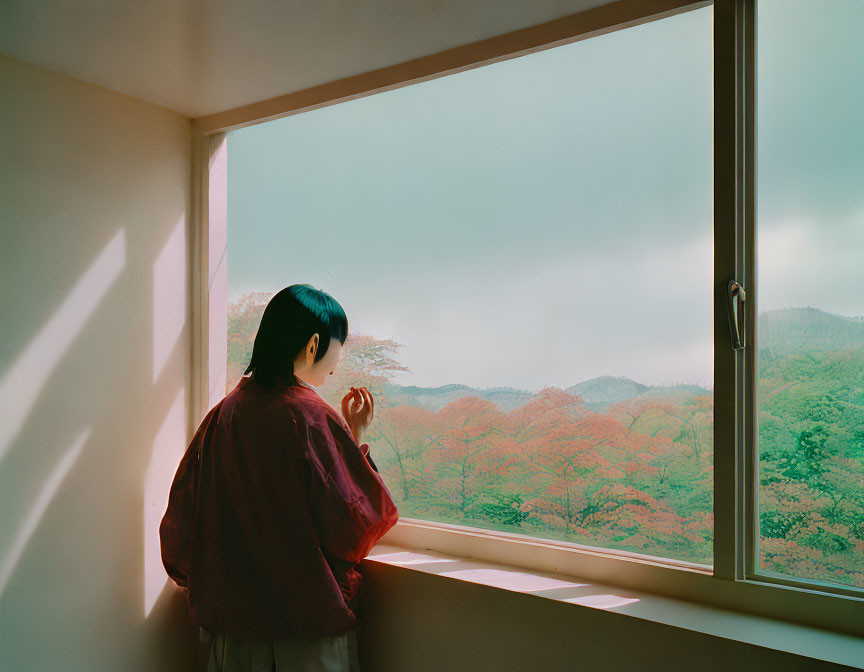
x: 636, y: 477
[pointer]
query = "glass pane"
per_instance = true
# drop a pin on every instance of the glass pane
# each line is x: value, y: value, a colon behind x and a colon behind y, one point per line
x: 811, y: 289
x: 525, y: 255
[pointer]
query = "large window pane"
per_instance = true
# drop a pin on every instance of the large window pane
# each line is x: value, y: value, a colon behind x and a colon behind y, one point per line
x: 524, y: 252
x: 811, y: 289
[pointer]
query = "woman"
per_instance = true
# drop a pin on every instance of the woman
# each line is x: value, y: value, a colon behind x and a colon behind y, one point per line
x: 274, y: 502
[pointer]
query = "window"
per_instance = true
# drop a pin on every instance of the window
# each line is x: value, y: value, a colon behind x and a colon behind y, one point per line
x: 524, y: 252
x: 552, y: 228
x: 811, y: 308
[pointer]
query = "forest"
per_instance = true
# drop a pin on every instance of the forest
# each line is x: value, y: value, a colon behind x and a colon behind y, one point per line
x: 617, y: 464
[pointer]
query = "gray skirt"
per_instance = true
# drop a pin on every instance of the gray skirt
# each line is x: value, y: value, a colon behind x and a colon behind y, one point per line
x: 336, y: 653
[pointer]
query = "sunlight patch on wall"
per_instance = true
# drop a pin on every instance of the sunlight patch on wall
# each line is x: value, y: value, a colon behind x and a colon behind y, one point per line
x: 168, y: 448
x: 31, y: 521
x: 169, y: 296
x: 24, y: 381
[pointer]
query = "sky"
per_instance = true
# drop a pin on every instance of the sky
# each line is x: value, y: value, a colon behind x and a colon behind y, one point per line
x: 548, y: 219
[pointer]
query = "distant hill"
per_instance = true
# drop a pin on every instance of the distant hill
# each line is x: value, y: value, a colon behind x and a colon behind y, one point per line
x: 597, y: 393
x: 600, y: 393
x: 436, y: 398
x: 607, y: 390
x: 792, y: 330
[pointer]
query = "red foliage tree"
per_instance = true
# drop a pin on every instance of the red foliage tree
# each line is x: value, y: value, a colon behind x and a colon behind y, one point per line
x: 402, y: 435
x: 469, y: 449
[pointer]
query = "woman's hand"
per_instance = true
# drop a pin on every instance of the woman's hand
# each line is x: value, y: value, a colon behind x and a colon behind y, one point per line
x: 358, y: 408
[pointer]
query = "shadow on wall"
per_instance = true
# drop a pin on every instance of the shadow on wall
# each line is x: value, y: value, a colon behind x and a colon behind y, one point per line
x: 94, y: 408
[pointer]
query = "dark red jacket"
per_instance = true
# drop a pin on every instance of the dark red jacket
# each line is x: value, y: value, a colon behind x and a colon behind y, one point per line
x: 272, y: 506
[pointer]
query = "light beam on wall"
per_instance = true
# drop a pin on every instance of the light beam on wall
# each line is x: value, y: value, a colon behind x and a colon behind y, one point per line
x: 168, y: 448
x: 25, y: 379
x: 31, y: 521
x: 169, y: 296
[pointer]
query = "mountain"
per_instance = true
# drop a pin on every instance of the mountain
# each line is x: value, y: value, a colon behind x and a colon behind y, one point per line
x: 436, y: 398
x: 598, y: 393
x: 793, y: 330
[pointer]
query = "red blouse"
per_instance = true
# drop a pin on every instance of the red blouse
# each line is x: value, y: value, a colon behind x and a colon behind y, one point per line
x: 270, y: 510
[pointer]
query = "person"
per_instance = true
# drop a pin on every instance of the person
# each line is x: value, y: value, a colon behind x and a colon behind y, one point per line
x: 275, y: 501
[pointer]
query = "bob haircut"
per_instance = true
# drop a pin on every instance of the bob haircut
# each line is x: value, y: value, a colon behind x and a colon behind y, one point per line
x: 290, y: 319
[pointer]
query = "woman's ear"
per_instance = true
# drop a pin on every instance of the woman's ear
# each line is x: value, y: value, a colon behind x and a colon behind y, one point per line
x: 312, y: 350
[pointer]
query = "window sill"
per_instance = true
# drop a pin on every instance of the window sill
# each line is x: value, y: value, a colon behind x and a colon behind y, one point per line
x: 695, y: 584
x: 805, y: 641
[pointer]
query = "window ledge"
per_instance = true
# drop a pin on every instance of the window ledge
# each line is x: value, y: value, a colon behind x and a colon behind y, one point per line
x: 806, y: 641
x: 803, y: 605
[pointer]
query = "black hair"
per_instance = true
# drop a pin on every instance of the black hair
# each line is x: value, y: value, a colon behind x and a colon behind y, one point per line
x: 290, y: 319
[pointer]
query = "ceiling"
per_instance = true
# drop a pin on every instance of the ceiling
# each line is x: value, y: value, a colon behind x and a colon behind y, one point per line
x: 199, y: 57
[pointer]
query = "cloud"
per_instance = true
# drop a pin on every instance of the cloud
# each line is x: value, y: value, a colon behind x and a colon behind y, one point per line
x: 812, y: 262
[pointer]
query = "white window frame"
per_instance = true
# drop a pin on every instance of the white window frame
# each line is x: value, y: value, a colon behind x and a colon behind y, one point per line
x: 734, y: 581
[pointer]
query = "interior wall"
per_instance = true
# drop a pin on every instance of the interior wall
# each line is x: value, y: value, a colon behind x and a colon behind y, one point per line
x: 94, y: 373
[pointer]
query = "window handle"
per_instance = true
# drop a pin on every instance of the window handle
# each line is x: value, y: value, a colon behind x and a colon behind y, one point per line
x: 737, y: 297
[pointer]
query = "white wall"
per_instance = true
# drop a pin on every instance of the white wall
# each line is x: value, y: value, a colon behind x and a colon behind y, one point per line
x: 94, y: 373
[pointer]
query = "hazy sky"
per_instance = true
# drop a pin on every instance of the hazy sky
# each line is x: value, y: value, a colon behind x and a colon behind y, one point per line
x: 548, y: 219
x: 811, y: 155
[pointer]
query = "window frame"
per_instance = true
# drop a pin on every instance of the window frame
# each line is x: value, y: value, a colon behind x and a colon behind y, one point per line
x: 734, y: 582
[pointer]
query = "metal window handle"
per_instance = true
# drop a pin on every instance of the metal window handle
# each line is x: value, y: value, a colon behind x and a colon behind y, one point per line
x: 737, y: 297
